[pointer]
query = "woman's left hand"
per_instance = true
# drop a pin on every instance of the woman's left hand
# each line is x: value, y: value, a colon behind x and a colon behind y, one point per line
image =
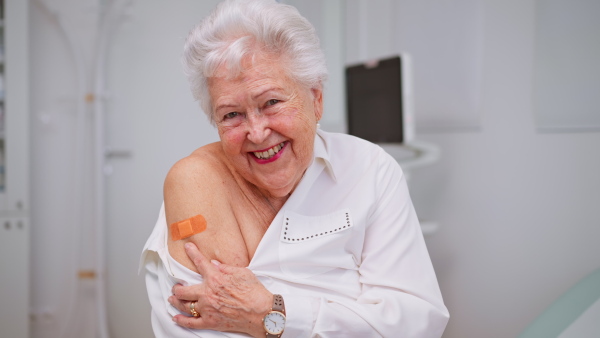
x: 229, y: 299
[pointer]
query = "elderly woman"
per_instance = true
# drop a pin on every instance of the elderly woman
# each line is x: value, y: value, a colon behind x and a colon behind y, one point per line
x: 306, y: 233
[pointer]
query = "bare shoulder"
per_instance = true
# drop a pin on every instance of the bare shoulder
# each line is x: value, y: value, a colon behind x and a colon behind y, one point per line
x: 191, y: 182
x: 201, y: 184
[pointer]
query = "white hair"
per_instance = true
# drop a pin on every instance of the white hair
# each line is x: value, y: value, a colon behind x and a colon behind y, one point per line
x: 239, y: 28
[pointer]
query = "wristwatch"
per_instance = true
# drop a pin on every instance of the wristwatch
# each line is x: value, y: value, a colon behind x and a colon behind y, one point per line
x: 274, y: 321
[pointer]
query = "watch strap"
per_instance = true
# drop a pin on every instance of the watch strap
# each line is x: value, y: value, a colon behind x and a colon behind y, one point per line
x: 278, y: 305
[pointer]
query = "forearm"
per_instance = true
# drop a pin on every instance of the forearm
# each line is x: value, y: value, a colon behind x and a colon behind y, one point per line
x: 377, y: 313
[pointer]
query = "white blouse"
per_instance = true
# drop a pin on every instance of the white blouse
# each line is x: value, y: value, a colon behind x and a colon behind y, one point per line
x: 346, y: 252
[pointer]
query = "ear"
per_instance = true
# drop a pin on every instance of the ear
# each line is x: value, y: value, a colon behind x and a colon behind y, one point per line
x: 318, y: 102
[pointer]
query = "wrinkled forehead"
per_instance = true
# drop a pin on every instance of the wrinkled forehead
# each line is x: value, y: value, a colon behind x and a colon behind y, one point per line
x: 258, y: 75
x: 255, y: 71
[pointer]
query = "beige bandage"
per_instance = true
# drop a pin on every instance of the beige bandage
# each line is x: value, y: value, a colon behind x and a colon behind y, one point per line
x: 188, y: 227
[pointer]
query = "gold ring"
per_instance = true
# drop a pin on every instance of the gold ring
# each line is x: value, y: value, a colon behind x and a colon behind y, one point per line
x: 193, y: 310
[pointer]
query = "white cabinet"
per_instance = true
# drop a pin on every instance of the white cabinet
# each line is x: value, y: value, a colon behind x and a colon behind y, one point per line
x: 14, y: 169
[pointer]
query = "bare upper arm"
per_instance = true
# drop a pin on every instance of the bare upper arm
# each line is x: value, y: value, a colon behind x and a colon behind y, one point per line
x: 196, y: 185
x: 186, y: 188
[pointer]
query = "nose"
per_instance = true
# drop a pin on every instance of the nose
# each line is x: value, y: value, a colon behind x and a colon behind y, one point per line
x: 258, y: 128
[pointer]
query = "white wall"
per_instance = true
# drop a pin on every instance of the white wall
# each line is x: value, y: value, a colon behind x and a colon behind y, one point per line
x: 58, y: 217
x: 150, y: 112
x: 517, y: 209
x: 153, y: 114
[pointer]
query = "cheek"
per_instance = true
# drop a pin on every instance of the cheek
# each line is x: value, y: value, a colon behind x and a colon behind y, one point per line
x: 300, y: 116
x: 232, y: 140
x: 295, y: 125
x: 303, y: 129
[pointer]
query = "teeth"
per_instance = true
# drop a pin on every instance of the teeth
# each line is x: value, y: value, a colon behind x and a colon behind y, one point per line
x: 269, y: 153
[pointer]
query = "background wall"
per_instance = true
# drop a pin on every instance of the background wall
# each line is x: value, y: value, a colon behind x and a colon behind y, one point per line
x: 153, y: 114
x: 518, y: 209
x: 150, y: 113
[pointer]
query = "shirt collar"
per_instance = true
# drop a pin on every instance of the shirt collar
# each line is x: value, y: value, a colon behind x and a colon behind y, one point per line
x: 322, y: 153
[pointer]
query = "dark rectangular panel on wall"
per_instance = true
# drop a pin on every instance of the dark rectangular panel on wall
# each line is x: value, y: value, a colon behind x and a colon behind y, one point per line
x: 374, y: 101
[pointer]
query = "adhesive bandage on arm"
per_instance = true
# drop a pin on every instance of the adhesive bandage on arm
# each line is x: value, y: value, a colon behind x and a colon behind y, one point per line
x: 187, y: 227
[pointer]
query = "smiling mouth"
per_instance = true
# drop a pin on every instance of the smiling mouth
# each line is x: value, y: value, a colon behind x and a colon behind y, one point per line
x: 265, y: 155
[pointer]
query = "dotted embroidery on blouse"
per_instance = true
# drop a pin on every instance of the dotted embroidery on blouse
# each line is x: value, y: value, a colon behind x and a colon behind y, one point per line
x: 287, y: 238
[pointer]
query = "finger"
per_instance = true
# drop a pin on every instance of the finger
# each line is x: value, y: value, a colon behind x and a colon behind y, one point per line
x: 190, y: 322
x: 185, y: 293
x: 202, y: 263
x: 182, y: 306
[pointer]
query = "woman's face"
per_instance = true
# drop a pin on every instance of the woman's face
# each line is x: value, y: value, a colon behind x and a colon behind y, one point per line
x: 267, y: 123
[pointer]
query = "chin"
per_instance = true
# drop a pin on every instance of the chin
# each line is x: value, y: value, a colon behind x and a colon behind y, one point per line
x: 279, y: 190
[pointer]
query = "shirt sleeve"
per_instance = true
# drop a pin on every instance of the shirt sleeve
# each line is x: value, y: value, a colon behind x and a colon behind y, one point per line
x: 162, y: 325
x: 400, y: 295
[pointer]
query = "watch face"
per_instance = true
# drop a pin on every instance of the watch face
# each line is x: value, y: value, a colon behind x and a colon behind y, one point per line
x: 274, y: 322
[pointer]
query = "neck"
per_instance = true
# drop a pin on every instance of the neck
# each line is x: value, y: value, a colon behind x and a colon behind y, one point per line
x: 276, y: 203
x: 265, y: 205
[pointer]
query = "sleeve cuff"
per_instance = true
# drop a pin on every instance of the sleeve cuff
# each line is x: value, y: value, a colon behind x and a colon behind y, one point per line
x: 300, y: 315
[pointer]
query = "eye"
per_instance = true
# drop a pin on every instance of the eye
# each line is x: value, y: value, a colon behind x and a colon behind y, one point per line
x: 272, y: 102
x: 230, y: 115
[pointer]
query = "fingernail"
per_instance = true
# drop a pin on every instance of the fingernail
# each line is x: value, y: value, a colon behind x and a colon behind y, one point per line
x: 188, y: 245
x: 217, y: 263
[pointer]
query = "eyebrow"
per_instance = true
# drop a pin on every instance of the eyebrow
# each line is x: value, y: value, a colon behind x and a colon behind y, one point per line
x: 225, y: 105
x: 254, y: 97
x: 268, y: 89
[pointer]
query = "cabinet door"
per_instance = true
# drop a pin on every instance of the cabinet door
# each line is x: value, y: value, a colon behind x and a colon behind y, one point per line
x: 14, y: 140
x: 15, y: 135
x: 14, y: 279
